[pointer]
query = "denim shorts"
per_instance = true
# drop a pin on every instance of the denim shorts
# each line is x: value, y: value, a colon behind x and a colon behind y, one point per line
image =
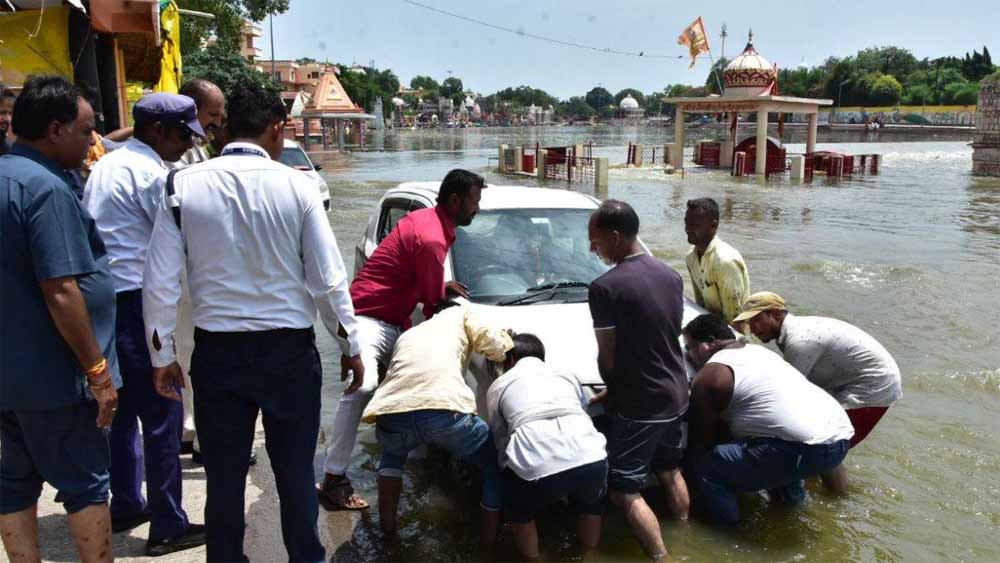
x: 61, y: 446
x: 463, y: 435
x: 585, y: 486
x: 636, y: 447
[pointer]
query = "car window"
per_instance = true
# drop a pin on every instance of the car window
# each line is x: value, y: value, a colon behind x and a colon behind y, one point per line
x: 503, y: 253
x: 294, y: 157
x: 392, y: 211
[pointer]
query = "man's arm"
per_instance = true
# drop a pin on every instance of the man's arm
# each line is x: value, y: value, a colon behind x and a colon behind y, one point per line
x: 69, y: 313
x: 711, y: 393
x: 161, y: 287
x: 733, y: 284
x: 326, y: 280
x: 60, y: 251
x: 430, y: 275
x: 489, y: 340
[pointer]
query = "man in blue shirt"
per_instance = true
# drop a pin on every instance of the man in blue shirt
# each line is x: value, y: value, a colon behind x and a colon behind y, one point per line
x: 122, y: 194
x: 58, y: 367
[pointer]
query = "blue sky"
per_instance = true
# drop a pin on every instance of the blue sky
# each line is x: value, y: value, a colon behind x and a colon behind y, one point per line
x: 412, y: 40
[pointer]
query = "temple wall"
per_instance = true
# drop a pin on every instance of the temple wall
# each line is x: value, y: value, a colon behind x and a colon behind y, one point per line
x: 986, y: 142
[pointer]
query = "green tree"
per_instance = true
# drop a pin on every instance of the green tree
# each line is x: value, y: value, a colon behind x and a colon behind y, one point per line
x: 599, y: 98
x: 364, y: 87
x: 226, y: 69
x: 227, y: 26
x: 714, y: 77
x: 575, y: 107
x: 453, y: 89
x: 961, y: 93
x: 883, y: 89
x: 639, y: 96
x: 425, y: 83
x: 919, y: 95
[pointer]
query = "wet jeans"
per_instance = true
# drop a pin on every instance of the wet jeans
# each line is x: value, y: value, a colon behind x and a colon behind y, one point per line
x: 757, y: 464
x: 462, y: 435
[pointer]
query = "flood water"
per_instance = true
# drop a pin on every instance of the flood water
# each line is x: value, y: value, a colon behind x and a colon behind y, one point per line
x: 911, y: 256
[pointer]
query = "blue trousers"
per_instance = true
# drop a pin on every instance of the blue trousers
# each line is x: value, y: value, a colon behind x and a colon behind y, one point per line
x: 463, y: 435
x: 157, y: 453
x: 236, y: 376
x: 760, y: 464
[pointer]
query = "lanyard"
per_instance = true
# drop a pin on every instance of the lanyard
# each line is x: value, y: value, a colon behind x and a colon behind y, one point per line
x: 245, y: 150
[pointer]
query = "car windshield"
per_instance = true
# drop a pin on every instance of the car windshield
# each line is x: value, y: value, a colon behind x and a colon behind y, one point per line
x: 295, y: 158
x: 511, y: 253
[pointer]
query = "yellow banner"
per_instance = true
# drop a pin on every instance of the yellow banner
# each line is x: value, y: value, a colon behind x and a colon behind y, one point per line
x: 34, y: 42
x: 170, y: 61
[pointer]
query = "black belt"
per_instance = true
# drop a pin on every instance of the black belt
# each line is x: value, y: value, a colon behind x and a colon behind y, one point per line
x: 208, y: 336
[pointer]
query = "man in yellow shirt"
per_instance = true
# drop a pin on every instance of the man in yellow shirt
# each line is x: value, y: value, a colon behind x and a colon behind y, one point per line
x: 424, y: 400
x: 718, y: 273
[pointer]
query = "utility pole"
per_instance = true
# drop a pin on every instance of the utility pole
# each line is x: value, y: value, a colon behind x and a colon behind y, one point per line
x: 723, y: 35
x: 270, y: 19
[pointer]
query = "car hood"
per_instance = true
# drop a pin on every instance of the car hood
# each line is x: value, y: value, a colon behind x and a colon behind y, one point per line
x: 567, y: 330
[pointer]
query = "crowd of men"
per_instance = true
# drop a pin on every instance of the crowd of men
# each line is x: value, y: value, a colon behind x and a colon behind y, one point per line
x: 193, y: 221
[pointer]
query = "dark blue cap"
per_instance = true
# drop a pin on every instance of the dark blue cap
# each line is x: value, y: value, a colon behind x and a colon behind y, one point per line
x: 168, y: 108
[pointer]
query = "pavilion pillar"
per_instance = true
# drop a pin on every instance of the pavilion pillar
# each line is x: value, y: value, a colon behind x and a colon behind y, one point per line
x: 305, y: 133
x: 677, y: 154
x: 811, y: 136
x: 340, y: 135
x: 324, y: 129
x: 760, y: 164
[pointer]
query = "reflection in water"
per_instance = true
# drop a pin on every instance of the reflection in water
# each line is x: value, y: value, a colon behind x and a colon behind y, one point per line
x: 981, y: 216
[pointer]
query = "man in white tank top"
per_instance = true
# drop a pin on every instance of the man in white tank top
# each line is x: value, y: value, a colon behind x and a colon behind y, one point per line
x: 755, y: 422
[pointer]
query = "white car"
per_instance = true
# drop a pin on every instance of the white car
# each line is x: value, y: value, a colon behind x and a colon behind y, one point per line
x: 293, y: 156
x: 527, y: 262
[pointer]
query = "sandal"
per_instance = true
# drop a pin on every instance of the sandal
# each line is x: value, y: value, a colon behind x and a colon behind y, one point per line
x: 339, y: 495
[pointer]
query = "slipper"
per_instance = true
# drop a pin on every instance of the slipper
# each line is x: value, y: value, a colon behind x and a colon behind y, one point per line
x: 340, y: 496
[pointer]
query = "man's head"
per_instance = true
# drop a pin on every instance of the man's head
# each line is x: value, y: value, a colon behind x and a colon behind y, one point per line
x: 257, y: 115
x: 167, y: 123
x: 705, y: 335
x: 7, y: 98
x: 764, y: 312
x: 459, y: 195
x: 51, y: 116
x: 525, y: 346
x: 210, y: 101
x: 613, y: 229
x: 701, y: 221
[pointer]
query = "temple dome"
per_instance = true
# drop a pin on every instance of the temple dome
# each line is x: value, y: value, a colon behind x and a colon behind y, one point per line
x: 628, y: 102
x: 749, y: 74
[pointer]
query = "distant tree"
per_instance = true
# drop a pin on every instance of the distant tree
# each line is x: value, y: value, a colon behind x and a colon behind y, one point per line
x: 364, y: 88
x: 961, y: 93
x: 883, y: 89
x: 524, y: 96
x: 608, y: 111
x: 599, y: 98
x: 227, y: 26
x: 639, y: 97
x: 305, y: 60
x: 919, y: 95
x: 575, y: 107
x: 225, y: 68
x: 712, y: 80
x: 425, y: 83
x: 451, y: 86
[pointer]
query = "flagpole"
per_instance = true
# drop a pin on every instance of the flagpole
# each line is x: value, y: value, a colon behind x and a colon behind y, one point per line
x: 715, y: 71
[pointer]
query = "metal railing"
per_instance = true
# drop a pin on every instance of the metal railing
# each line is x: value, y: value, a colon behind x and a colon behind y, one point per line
x: 570, y: 169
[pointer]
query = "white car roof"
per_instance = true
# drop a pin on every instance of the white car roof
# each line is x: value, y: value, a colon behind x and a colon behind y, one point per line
x: 508, y: 197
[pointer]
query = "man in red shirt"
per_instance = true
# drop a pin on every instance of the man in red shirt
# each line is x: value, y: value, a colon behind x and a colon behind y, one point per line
x: 407, y: 268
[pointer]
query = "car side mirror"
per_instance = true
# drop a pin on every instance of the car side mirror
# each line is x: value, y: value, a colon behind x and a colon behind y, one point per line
x: 317, y: 167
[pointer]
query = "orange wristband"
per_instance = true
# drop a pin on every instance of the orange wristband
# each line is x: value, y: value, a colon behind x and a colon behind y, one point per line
x: 97, y: 368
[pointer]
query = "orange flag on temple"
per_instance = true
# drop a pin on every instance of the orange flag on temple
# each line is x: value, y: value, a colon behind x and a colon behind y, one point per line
x: 695, y: 38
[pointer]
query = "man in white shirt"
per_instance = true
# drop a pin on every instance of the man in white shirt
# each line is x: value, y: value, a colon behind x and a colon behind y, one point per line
x: 841, y: 358
x: 424, y: 400
x: 261, y: 258
x: 122, y: 193
x: 756, y: 422
x: 548, y: 446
